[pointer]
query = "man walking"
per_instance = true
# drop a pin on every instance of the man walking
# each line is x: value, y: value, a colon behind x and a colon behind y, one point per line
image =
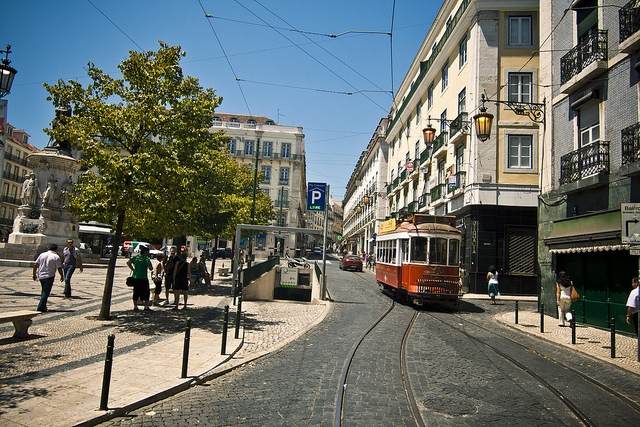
x: 44, y: 269
x: 71, y: 260
x: 170, y: 265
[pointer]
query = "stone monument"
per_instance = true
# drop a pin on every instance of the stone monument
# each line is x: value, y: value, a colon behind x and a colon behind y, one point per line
x: 42, y: 218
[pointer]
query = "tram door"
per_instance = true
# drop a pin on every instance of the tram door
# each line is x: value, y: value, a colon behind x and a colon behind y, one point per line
x: 404, y: 263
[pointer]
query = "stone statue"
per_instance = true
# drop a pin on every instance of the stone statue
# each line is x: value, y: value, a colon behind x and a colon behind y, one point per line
x: 65, y: 191
x: 30, y: 190
x: 49, y: 192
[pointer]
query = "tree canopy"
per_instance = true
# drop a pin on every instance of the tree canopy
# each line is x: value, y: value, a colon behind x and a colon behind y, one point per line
x: 153, y: 166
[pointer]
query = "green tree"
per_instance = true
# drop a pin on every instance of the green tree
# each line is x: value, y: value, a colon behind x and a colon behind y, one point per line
x: 145, y: 139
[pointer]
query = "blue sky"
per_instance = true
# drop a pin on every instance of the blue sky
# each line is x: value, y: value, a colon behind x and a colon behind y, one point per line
x: 294, y: 78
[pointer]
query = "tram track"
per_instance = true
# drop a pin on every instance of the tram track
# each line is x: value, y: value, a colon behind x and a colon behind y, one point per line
x: 573, y: 407
x: 409, y: 395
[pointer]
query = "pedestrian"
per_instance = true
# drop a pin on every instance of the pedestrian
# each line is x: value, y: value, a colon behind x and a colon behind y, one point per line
x: 494, y: 290
x: 170, y: 264
x: 156, y: 276
x: 563, y: 296
x: 195, y: 270
x: 181, y: 276
x: 44, y: 269
x: 70, y: 260
x: 633, y: 306
x: 139, y: 264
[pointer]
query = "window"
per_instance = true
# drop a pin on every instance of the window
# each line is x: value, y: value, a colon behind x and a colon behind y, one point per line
x: 266, y: 150
x: 408, y: 126
x: 438, y: 251
x: 283, y: 197
x: 520, y: 31
x: 392, y: 173
x: 231, y: 146
x: 407, y: 158
x: 266, y: 170
x: 443, y: 122
x: 286, y: 151
x: 248, y: 148
x: 284, y: 176
x: 462, y: 101
x: 441, y: 177
x: 454, y: 252
x: 430, y: 97
x: 520, y: 87
x: 462, y: 52
x: 419, y: 249
x: 416, y: 152
x: 418, y: 112
x: 521, y: 244
x: 444, y: 76
x: 589, y: 123
x: 520, y: 151
x: 459, y: 158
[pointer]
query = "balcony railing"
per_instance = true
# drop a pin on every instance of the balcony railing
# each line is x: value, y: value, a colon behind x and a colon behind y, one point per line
x: 403, y: 175
x: 591, y: 49
x: 439, y: 141
x: 631, y: 144
x: 9, y: 199
x: 584, y: 162
x: 422, y: 201
x: 412, y: 207
x: 458, y: 124
x: 13, y: 177
x: 424, y: 156
x: 15, y: 159
x: 629, y: 19
x: 459, y: 182
x: 437, y: 192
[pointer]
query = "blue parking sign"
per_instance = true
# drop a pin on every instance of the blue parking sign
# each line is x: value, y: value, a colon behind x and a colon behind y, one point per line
x: 316, y: 196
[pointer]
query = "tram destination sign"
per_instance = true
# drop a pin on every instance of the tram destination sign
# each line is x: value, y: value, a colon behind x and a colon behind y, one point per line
x: 630, y: 216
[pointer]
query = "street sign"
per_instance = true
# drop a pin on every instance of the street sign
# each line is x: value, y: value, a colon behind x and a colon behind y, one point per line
x: 630, y: 215
x: 316, y: 196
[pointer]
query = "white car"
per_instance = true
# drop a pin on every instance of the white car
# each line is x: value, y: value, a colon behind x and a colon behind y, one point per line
x: 153, y: 252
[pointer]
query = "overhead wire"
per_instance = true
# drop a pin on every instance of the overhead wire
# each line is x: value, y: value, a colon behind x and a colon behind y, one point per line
x: 116, y: 25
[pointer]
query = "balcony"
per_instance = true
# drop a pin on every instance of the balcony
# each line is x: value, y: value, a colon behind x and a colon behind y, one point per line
x: 424, y: 156
x: 439, y: 142
x: 403, y: 175
x: 15, y: 159
x: 630, y: 150
x: 422, y: 201
x: 629, y: 25
x: 460, y: 178
x: 588, y: 163
x: 584, y: 62
x: 458, y: 125
x: 437, y: 192
x: 11, y: 200
x: 412, y: 207
x: 15, y: 177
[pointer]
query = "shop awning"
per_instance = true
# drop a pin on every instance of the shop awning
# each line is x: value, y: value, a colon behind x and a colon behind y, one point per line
x: 93, y: 229
x: 589, y: 233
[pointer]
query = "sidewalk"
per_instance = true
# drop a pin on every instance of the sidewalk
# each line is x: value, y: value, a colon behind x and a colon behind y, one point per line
x: 55, y: 377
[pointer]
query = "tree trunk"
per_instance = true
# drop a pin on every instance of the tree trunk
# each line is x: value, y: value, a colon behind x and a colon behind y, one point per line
x: 105, y: 308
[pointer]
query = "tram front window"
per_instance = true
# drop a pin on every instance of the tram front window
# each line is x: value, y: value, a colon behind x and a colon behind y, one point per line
x: 419, y: 249
x: 454, y: 252
x: 438, y: 251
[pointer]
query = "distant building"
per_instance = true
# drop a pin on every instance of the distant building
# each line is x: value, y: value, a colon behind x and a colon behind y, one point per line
x: 16, y: 150
x: 281, y: 157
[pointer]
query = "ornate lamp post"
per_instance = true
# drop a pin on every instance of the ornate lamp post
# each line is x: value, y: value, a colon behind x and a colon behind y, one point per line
x: 535, y: 111
x: 7, y: 73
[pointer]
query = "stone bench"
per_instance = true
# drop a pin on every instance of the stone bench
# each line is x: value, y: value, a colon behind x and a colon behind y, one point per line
x: 21, y: 321
x: 223, y: 271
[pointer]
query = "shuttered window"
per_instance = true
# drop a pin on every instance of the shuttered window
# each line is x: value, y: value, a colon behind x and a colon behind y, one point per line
x: 521, y: 250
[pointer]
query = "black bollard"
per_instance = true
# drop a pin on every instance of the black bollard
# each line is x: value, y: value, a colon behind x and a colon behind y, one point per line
x: 185, y: 351
x: 542, y: 318
x: 613, y: 338
x: 238, y: 314
x: 516, y: 312
x: 572, y: 323
x: 225, y: 327
x: 106, y: 379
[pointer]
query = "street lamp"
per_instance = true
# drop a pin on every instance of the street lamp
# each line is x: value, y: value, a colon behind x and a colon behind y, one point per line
x: 8, y: 73
x: 483, y: 120
x: 365, y: 199
x: 429, y: 133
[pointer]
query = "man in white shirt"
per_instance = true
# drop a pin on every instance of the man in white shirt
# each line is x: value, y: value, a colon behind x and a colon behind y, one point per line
x: 632, y: 304
x: 44, y: 270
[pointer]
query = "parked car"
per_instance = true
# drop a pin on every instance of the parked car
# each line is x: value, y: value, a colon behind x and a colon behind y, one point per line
x: 153, y: 252
x: 351, y: 262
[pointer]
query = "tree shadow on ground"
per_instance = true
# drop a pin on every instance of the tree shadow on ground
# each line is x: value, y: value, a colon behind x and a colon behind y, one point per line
x: 251, y: 322
x: 10, y: 396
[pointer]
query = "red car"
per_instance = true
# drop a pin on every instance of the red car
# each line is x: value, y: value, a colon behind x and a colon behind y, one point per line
x: 351, y: 262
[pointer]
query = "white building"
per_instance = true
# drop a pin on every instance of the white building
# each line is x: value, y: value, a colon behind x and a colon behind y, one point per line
x: 281, y: 157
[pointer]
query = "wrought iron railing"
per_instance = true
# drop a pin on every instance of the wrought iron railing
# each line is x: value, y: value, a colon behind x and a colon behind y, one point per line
x: 9, y: 199
x: 460, y: 180
x: 437, y: 192
x: 584, y: 162
x: 629, y: 19
x: 15, y: 159
x: 412, y: 207
x: 593, y: 48
x: 16, y: 177
x: 439, y: 142
x: 458, y: 124
x: 631, y: 144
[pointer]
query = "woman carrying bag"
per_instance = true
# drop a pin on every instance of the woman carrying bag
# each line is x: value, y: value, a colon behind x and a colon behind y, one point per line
x: 565, y: 294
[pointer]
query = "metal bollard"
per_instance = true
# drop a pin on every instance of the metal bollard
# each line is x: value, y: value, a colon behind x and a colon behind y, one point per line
x: 225, y: 327
x: 516, y: 312
x: 238, y: 314
x: 613, y: 338
x: 542, y: 318
x: 106, y: 379
x: 572, y: 323
x: 185, y: 351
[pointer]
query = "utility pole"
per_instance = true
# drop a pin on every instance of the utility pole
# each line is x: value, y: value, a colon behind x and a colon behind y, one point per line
x: 324, y: 245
